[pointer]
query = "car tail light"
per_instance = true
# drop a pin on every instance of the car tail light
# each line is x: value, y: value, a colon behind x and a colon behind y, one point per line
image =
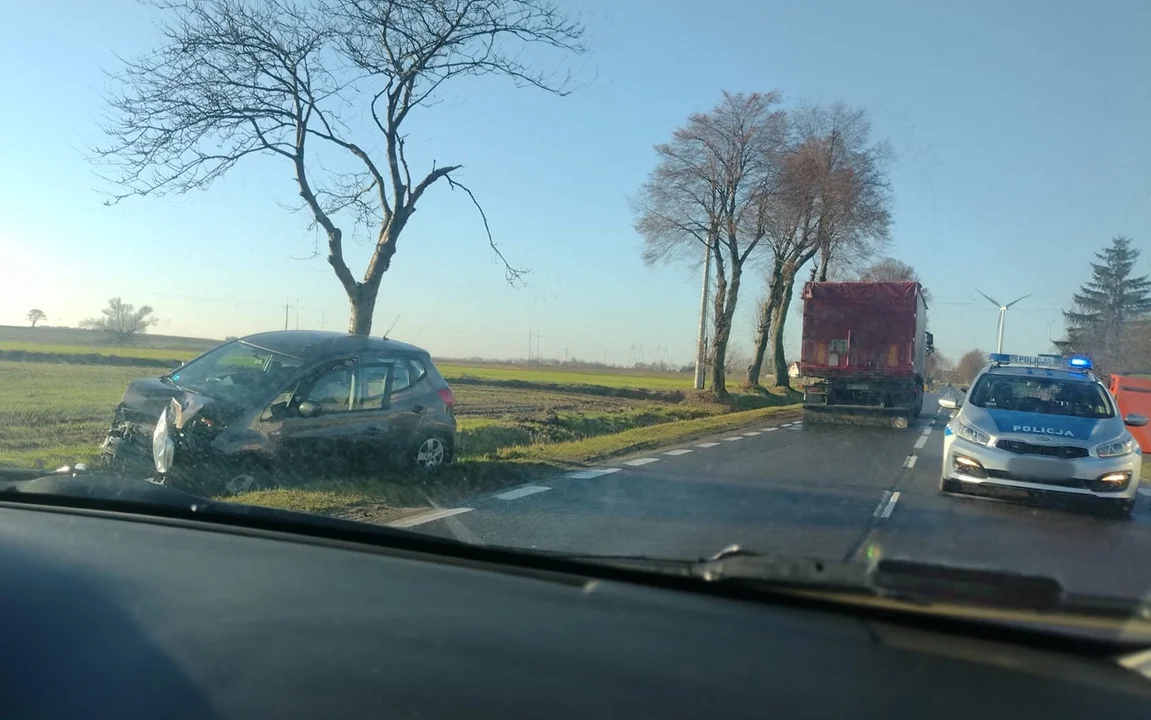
x: 447, y: 396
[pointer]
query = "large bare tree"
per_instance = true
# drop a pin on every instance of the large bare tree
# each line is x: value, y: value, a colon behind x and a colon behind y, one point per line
x: 832, y: 201
x: 704, y: 194
x: 318, y: 84
x: 121, y: 320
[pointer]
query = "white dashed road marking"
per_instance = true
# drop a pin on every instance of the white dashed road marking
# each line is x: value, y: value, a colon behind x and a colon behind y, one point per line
x: 589, y: 474
x: 921, y: 442
x: 882, y: 503
x: 909, y: 461
x: 640, y: 461
x: 927, y: 430
x: 707, y: 445
x: 890, y: 505
x: 753, y: 433
x: 681, y: 451
x: 1145, y: 491
x: 427, y: 517
x: 522, y: 492
x: 770, y: 429
x: 733, y: 439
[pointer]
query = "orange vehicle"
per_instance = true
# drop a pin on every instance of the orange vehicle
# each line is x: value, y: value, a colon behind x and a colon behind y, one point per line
x: 1133, y: 393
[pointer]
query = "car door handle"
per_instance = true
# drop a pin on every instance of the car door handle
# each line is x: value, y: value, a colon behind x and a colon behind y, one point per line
x: 417, y: 409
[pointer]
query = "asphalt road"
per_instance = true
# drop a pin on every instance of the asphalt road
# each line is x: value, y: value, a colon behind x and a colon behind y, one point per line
x: 833, y: 492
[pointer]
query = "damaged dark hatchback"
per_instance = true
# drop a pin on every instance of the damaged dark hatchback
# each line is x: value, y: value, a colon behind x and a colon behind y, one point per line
x: 258, y: 411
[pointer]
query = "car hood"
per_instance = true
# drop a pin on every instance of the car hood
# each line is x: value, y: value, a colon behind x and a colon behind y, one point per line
x: 145, y: 399
x: 1031, y: 426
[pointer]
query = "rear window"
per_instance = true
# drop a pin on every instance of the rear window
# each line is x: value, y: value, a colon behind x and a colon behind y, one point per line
x: 1046, y: 396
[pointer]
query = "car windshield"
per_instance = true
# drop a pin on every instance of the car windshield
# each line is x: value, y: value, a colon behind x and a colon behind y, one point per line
x: 287, y: 253
x: 236, y: 371
x: 1075, y: 398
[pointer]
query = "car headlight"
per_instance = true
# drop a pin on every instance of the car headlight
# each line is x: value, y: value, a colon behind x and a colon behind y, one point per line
x: 1122, y: 446
x: 970, y: 434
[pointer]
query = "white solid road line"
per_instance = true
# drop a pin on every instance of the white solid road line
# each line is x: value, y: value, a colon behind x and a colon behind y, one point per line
x: 522, y: 492
x: 921, y: 442
x: 909, y: 461
x: 640, y: 461
x: 681, y: 451
x: 707, y: 445
x: 427, y: 517
x: 733, y: 439
x: 753, y: 433
x: 589, y: 474
x: 890, y: 505
x: 882, y: 503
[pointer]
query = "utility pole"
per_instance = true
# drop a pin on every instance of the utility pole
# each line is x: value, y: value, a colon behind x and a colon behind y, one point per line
x: 297, y: 313
x: 701, y: 340
x: 287, y: 306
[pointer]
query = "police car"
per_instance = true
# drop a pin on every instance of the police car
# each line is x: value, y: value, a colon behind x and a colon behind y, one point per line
x: 1041, y: 424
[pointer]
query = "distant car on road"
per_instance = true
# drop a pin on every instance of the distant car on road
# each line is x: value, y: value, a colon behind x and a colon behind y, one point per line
x: 249, y: 411
x: 1041, y: 424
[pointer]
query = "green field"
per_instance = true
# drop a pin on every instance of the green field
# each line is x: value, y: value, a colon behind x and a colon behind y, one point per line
x: 515, y: 422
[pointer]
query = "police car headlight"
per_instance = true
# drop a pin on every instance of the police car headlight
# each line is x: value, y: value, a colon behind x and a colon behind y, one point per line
x: 971, y: 434
x: 1122, y: 446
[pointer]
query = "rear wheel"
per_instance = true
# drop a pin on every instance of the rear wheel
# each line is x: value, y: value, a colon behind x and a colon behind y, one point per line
x: 432, y: 453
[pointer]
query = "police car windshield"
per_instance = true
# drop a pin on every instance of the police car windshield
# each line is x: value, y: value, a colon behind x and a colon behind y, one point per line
x: 1045, y: 396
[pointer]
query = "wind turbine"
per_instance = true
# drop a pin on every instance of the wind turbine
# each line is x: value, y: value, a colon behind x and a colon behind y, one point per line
x: 1002, y: 314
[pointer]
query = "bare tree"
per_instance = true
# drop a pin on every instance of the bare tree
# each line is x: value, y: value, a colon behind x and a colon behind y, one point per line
x: 323, y: 84
x: 36, y: 315
x: 889, y: 269
x: 833, y: 201
x: 121, y: 319
x: 704, y: 193
x: 969, y: 365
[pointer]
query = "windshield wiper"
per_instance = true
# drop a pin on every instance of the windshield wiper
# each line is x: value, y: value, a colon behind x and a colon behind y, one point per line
x: 908, y: 580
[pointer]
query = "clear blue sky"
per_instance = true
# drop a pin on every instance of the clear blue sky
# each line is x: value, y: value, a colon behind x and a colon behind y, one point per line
x: 1023, y: 134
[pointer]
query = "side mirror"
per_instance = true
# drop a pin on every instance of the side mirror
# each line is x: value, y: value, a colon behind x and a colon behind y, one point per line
x: 308, y: 409
x: 1135, y: 420
x: 948, y: 403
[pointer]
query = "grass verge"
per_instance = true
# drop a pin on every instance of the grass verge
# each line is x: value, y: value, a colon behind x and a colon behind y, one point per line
x: 386, y: 497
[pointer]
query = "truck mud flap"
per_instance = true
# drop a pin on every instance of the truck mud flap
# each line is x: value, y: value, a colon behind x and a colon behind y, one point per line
x: 860, y: 417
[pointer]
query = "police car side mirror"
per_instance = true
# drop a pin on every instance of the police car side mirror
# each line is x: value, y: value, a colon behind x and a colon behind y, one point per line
x: 1135, y: 420
x: 948, y: 403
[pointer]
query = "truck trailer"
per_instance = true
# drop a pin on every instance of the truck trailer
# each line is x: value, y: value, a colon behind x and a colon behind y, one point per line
x: 864, y: 354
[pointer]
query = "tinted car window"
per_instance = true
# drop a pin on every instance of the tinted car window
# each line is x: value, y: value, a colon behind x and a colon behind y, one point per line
x: 1049, y: 396
x: 374, y: 379
x: 333, y: 390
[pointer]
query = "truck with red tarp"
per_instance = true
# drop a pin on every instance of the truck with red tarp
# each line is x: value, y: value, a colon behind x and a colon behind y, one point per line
x: 864, y: 353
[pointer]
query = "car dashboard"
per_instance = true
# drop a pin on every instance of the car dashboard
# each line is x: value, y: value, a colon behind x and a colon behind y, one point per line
x: 114, y: 614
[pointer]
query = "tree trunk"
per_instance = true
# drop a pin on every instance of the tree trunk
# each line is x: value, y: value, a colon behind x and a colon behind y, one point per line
x: 363, y: 304
x: 725, y: 296
x: 763, y: 331
x: 778, y: 321
x: 763, y: 326
x: 824, y: 262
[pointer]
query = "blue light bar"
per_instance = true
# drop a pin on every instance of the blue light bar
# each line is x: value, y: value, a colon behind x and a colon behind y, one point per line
x: 1079, y: 362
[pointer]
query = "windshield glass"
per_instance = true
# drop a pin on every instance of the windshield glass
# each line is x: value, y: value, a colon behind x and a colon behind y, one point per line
x: 1044, y: 396
x: 236, y: 371
x: 751, y: 246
